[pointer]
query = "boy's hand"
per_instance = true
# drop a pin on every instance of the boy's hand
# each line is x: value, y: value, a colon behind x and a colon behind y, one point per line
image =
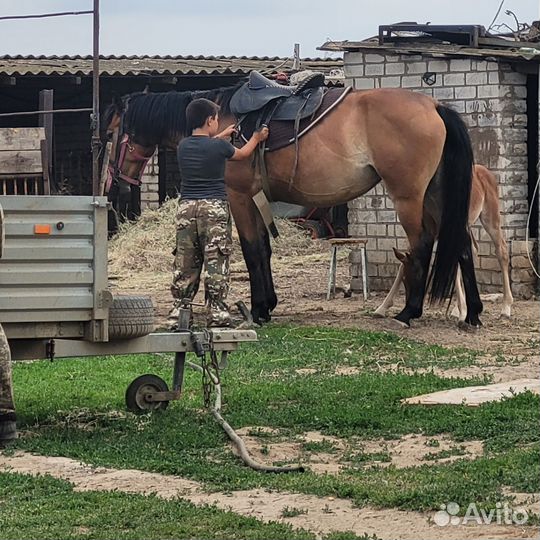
x: 262, y: 134
x: 227, y: 132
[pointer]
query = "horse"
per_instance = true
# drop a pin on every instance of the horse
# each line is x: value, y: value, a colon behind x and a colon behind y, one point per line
x: 419, y: 148
x: 484, y: 204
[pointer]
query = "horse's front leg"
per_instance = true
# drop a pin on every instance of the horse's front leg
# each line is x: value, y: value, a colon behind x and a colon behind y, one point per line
x: 256, y: 249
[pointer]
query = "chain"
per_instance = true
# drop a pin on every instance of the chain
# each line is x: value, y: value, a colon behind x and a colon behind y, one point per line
x: 207, y: 384
x: 210, y: 370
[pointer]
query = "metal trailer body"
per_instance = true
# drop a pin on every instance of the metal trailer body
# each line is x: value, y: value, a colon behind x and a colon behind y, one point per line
x: 54, y: 297
x: 53, y: 274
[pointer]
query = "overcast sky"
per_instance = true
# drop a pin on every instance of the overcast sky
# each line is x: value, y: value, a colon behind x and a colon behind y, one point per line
x: 233, y: 27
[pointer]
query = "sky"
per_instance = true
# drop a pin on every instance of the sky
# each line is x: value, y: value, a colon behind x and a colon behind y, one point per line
x: 233, y: 27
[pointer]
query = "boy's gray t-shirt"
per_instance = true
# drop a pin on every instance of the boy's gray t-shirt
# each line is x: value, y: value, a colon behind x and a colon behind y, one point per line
x: 202, y: 167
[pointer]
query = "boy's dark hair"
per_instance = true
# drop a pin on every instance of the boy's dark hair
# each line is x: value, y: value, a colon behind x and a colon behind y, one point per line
x: 198, y: 111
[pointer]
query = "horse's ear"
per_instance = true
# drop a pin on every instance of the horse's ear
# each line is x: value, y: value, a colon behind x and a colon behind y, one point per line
x: 402, y: 256
x: 118, y: 103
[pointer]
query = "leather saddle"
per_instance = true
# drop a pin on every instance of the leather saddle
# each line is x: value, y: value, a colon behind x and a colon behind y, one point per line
x: 286, y: 102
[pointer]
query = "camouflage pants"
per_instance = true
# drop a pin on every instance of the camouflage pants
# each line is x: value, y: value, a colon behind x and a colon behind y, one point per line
x: 203, y: 245
x: 6, y: 385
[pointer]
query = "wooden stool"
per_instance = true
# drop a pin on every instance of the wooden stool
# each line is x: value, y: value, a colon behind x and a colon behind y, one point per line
x: 348, y: 242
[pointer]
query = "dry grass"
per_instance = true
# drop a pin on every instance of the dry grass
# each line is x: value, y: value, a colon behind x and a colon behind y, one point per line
x: 144, y: 248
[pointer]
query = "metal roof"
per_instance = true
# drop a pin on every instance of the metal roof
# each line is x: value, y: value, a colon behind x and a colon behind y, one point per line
x: 157, y: 65
x: 529, y: 52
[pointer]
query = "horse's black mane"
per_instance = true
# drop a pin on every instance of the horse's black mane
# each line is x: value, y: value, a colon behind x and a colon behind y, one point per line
x: 152, y: 118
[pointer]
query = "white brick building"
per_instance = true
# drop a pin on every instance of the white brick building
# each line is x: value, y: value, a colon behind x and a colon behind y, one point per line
x: 496, y: 91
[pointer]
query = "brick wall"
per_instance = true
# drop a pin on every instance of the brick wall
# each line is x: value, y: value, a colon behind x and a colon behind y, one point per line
x: 150, y: 184
x: 492, y: 100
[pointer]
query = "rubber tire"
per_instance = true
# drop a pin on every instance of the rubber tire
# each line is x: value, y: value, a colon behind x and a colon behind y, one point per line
x: 134, y: 401
x: 130, y: 317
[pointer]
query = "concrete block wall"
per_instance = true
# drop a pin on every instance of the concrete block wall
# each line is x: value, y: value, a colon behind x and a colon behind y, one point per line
x: 150, y: 184
x: 491, y: 98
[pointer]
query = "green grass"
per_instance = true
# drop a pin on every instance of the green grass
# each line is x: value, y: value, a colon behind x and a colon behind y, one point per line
x: 75, y: 408
x: 48, y: 508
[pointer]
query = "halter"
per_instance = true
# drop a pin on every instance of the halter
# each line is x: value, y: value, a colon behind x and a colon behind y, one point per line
x: 114, y: 169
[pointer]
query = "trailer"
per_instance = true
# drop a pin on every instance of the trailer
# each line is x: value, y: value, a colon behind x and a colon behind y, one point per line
x: 55, y: 301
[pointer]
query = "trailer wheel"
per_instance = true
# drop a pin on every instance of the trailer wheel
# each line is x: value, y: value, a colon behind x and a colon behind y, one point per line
x: 138, y: 390
x: 130, y: 317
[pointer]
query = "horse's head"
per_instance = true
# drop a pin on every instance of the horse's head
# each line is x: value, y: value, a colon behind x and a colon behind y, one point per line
x: 112, y: 118
x: 127, y: 159
x: 128, y: 155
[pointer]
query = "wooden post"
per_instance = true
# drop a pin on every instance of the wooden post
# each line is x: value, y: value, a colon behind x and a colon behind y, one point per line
x: 105, y: 168
x: 296, y: 59
x: 46, y: 103
x: 332, y: 273
x: 96, y: 143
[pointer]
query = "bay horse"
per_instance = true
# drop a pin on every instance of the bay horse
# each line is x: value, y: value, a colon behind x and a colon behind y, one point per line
x: 419, y: 148
x: 484, y: 204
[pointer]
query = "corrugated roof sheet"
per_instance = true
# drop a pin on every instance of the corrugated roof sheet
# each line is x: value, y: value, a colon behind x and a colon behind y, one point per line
x: 155, y: 65
x: 531, y: 53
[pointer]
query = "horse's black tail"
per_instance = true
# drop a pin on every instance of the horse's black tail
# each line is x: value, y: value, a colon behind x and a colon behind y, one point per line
x: 457, y: 163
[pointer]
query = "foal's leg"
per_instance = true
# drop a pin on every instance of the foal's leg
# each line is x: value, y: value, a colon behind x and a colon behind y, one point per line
x: 388, y: 302
x: 491, y: 220
x: 460, y: 309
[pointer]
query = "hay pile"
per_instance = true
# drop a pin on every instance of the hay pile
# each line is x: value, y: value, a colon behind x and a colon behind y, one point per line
x: 141, y: 252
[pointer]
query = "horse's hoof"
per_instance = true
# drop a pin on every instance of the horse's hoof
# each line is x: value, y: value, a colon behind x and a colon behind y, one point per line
x: 468, y: 327
x: 400, y: 324
x: 456, y: 314
x: 506, y: 312
x: 380, y: 313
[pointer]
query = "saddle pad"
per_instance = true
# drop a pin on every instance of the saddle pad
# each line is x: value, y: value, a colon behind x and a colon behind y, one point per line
x: 282, y: 131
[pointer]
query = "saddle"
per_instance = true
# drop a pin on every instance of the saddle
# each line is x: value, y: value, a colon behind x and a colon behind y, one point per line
x: 285, y: 132
x: 285, y: 102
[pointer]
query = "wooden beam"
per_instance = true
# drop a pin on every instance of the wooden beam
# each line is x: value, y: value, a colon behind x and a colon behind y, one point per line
x: 21, y: 138
x: 46, y: 99
x: 20, y: 162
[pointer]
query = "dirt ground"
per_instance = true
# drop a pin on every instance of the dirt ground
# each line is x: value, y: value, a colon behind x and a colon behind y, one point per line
x: 510, y: 347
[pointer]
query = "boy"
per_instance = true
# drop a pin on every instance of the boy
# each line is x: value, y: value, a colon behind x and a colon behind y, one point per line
x: 203, y: 222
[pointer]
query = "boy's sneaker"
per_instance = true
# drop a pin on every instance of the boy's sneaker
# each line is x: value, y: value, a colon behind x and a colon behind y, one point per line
x: 8, y: 428
x: 220, y: 319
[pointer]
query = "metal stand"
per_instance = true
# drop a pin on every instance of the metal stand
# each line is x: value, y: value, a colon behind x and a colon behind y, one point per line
x: 349, y: 242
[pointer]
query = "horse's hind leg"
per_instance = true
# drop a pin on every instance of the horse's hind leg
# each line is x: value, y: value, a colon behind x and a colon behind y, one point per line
x: 416, y: 263
x: 474, y: 304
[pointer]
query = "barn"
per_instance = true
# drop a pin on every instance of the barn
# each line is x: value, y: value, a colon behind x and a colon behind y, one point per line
x: 493, y: 82
x: 32, y: 83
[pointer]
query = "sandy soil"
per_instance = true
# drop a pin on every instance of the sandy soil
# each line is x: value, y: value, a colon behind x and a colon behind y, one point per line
x: 266, y: 446
x: 318, y: 514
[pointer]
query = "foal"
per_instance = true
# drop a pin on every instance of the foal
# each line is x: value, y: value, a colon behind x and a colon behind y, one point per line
x: 484, y: 204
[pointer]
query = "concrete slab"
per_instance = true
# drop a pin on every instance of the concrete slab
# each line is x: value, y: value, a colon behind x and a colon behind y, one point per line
x: 473, y: 396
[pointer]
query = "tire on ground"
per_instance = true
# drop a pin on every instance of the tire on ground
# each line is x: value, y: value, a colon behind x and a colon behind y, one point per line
x: 130, y: 317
